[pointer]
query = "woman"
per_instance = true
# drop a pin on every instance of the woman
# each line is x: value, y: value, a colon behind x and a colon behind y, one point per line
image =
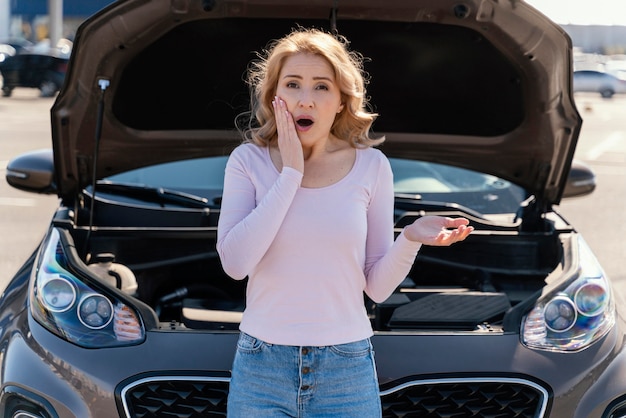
x: 307, y: 216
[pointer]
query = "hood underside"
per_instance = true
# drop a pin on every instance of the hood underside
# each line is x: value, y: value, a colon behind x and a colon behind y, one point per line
x: 479, y: 84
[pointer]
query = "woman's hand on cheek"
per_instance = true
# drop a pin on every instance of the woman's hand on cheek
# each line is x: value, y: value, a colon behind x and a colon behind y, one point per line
x: 288, y: 142
x: 438, y: 230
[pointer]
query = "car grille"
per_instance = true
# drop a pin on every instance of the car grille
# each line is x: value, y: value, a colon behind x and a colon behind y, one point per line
x: 200, y: 397
x: 176, y: 396
x: 464, y: 398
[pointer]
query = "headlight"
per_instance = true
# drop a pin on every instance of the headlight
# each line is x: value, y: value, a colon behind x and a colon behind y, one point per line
x: 572, y: 318
x: 76, y: 311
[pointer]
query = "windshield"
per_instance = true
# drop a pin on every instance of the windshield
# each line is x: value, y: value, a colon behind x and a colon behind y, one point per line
x: 419, y: 180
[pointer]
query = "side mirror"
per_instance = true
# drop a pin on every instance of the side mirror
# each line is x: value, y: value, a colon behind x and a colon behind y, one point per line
x: 580, y: 182
x: 33, y: 172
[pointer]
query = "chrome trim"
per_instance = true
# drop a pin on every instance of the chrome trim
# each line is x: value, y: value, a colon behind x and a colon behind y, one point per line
x: 23, y: 414
x: 541, y: 389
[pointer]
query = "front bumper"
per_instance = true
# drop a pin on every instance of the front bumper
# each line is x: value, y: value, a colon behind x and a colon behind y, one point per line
x: 186, y: 373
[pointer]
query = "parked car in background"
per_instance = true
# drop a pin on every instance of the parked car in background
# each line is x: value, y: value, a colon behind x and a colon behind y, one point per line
x: 604, y: 83
x: 124, y: 309
x: 13, y: 46
x: 45, y: 72
x: 6, y: 50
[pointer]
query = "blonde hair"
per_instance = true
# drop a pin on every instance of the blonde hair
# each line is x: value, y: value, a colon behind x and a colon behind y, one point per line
x: 352, y: 124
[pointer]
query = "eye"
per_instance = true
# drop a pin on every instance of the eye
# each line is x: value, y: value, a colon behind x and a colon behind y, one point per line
x: 292, y: 85
x: 322, y: 87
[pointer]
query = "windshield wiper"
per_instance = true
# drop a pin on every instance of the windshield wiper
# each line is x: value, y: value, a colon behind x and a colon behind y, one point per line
x: 159, y: 195
x: 410, y: 206
x: 405, y: 201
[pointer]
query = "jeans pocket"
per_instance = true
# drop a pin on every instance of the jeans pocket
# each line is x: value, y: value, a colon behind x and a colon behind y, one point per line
x: 354, y: 349
x: 248, y: 344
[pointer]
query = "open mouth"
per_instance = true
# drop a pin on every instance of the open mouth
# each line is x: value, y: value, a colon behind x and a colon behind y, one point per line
x: 304, y: 122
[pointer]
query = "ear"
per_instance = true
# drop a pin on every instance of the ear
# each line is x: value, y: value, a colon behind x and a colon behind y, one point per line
x: 340, y: 108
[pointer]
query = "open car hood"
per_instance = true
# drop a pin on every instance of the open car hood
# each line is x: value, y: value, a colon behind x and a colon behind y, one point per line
x: 479, y: 84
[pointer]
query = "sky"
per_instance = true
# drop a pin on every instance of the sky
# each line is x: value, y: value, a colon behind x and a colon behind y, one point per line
x: 583, y: 12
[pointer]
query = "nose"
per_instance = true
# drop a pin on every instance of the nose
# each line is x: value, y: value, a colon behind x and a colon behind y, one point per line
x: 306, y: 99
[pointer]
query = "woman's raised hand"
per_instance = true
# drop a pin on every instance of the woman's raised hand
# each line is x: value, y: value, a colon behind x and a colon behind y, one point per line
x: 288, y: 142
x: 438, y: 230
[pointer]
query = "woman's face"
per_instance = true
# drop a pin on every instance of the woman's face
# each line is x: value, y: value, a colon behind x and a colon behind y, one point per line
x: 307, y: 85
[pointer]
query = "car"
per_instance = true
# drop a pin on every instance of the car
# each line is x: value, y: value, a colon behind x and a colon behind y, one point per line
x: 602, y: 82
x: 6, y: 50
x: 44, y: 71
x: 124, y: 310
x: 12, y: 46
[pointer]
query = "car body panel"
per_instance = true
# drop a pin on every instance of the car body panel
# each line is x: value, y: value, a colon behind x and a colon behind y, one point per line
x: 62, y: 372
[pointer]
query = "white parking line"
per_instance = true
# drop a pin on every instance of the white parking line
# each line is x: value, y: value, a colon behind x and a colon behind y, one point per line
x: 595, y: 152
x: 17, y: 201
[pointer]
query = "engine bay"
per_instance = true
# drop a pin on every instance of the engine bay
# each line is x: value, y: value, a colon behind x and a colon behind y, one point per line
x: 469, y: 286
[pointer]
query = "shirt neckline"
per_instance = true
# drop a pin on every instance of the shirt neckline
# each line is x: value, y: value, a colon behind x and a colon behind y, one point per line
x: 337, y: 183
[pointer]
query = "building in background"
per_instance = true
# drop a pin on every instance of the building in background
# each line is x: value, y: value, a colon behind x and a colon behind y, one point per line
x: 30, y: 19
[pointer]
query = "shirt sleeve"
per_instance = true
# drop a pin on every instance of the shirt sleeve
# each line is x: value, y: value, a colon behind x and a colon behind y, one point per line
x: 387, y: 262
x: 246, y: 230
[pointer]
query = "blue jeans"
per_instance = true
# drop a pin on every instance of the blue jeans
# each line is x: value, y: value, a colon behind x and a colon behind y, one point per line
x: 336, y: 381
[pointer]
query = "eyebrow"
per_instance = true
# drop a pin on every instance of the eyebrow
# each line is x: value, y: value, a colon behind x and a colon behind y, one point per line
x: 314, y: 78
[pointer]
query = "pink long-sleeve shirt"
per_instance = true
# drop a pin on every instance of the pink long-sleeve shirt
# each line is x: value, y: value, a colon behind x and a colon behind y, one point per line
x: 310, y: 253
